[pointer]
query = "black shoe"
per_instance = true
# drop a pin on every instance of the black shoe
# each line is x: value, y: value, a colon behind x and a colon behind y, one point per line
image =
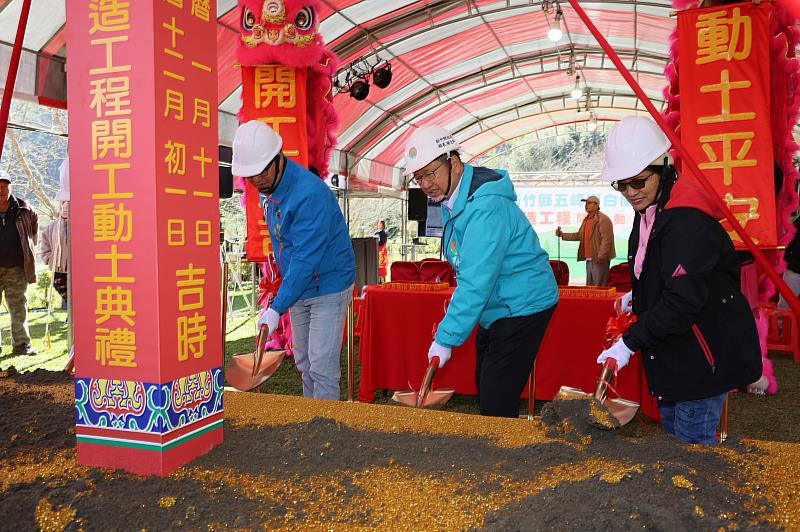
x: 23, y: 349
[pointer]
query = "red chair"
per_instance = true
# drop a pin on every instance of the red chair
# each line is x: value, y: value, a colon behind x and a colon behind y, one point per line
x: 782, y: 333
x: 619, y: 277
x: 560, y: 271
x: 404, y: 271
x: 358, y: 305
x: 437, y: 271
x: 426, y: 271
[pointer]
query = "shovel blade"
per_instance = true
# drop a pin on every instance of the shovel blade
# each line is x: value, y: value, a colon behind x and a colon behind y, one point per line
x: 434, y: 398
x: 242, y: 375
x: 567, y: 393
x: 622, y: 410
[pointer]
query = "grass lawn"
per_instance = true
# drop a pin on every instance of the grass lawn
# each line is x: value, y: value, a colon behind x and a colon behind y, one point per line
x: 749, y: 414
x: 50, y: 356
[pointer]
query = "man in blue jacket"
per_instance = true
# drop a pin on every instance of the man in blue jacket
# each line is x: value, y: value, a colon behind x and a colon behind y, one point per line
x: 505, y: 283
x: 313, y: 252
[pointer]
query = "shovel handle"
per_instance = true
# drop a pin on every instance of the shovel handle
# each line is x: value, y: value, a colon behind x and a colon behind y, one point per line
x: 261, y: 342
x: 425, y: 387
x: 606, y: 375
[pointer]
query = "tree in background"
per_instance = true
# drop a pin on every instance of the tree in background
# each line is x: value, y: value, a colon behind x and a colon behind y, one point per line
x: 565, y: 148
x: 35, y: 145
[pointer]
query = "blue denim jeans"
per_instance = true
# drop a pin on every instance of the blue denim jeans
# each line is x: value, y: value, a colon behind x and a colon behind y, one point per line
x: 692, y: 421
x: 317, y: 328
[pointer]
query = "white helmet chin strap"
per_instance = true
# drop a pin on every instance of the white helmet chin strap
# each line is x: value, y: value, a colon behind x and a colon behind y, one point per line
x: 443, y: 197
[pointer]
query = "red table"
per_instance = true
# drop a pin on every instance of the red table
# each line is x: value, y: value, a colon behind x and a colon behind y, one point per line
x: 398, y: 329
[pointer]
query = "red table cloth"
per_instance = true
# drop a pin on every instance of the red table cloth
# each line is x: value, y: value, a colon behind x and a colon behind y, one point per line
x: 398, y: 329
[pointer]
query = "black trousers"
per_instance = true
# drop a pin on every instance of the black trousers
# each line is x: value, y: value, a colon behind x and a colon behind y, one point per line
x: 60, y: 284
x: 505, y: 353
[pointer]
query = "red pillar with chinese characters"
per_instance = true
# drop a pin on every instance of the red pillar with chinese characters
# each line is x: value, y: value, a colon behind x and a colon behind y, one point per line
x: 145, y: 219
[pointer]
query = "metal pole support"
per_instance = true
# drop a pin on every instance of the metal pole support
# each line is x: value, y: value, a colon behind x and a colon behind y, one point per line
x: 351, y: 359
x: 224, y: 317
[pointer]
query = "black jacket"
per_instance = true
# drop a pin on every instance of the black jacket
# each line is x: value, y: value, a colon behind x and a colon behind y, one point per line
x: 792, y: 254
x: 695, y: 330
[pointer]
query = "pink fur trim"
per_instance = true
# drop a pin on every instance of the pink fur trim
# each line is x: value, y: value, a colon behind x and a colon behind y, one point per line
x: 294, y: 56
x: 685, y: 4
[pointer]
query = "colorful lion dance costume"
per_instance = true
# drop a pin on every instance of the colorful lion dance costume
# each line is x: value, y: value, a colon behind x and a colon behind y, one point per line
x: 287, y: 83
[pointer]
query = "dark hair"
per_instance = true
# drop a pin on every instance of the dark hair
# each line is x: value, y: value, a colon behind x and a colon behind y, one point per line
x: 656, y: 168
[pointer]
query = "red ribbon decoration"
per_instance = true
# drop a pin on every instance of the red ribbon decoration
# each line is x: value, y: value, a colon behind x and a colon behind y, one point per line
x: 616, y: 327
x: 269, y: 283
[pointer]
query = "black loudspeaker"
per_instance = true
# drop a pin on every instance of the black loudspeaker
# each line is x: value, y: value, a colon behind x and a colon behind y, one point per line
x: 225, y: 182
x: 225, y: 154
x: 417, y: 205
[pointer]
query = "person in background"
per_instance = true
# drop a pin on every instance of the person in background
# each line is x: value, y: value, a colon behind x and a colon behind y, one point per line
x: 19, y: 228
x: 505, y: 283
x: 694, y: 328
x: 383, y: 258
x: 54, y: 251
x: 792, y: 257
x: 312, y: 249
x: 596, y: 237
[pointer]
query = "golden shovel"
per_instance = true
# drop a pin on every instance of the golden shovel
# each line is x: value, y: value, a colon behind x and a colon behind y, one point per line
x: 603, y: 412
x: 246, y: 371
x: 425, y: 397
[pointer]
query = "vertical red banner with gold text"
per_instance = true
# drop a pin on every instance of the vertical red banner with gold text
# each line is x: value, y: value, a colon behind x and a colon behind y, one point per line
x: 724, y: 102
x: 145, y: 232
x: 275, y: 95
x: 187, y: 186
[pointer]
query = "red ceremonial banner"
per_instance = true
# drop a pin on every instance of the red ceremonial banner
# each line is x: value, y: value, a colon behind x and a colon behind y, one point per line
x: 145, y: 230
x: 725, y: 115
x: 275, y: 95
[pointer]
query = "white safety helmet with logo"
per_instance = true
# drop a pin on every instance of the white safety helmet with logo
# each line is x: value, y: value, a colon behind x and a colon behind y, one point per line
x: 426, y: 144
x: 254, y: 146
x: 633, y: 144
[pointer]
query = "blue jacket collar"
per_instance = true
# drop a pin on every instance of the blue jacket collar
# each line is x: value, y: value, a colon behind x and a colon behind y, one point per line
x: 287, y: 182
x: 464, y: 187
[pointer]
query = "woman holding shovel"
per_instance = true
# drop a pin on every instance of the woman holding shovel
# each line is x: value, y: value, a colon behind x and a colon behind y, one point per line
x: 694, y: 328
x: 505, y: 283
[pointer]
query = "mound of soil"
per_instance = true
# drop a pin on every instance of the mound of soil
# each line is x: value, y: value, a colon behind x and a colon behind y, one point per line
x: 331, y: 471
x: 39, y: 376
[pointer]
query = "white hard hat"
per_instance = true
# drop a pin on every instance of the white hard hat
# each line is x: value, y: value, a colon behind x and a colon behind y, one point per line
x: 633, y: 144
x: 63, y: 181
x: 254, y: 146
x: 426, y: 144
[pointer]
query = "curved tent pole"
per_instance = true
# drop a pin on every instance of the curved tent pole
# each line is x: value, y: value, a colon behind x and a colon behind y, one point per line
x: 776, y: 279
x: 13, y: 66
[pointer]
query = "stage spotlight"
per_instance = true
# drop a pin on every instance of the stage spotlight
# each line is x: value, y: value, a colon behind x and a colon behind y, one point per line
x: 383, y: 76
x: 359, y: 90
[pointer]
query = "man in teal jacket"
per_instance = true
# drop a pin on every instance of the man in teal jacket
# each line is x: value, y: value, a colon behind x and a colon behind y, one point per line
x: 313, y: 252
x: 505, y: 283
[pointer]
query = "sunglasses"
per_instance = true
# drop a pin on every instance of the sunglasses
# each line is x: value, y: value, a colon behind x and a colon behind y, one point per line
x: 635, y: 184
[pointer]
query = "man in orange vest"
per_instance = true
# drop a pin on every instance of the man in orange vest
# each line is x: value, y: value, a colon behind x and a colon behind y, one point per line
x: 596, y: 237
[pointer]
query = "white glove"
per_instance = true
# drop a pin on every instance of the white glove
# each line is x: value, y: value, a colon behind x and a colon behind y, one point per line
x: 626, y: 302
x: 619, y: 352
x: 269, y: 318
x: 440, y: 351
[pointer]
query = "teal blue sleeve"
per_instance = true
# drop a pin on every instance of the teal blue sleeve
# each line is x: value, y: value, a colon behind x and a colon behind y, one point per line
x: 482, y: 250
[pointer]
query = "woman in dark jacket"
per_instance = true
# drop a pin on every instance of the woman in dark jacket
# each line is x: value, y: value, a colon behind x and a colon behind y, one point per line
x: 694, y: 328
